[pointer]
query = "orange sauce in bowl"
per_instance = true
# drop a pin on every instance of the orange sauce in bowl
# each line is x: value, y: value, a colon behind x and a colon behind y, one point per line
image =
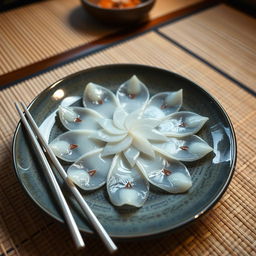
x: 118, y: 3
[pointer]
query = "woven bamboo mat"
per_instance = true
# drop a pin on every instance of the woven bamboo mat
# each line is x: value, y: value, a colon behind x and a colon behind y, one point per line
x: 44, y: 29
x: 228, y: 229
x: 222, y: 36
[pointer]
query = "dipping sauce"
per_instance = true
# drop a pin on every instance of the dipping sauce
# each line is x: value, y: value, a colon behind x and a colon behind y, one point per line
x: 118, y: 3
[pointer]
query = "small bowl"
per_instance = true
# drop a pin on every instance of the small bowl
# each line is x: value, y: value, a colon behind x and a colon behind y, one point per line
x: 122, y: 16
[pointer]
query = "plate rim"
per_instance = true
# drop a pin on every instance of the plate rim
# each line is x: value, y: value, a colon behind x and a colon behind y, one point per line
x: 162, y: 231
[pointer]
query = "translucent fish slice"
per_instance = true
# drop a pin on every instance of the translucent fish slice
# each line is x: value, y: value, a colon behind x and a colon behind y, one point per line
x: 181, y: 124
x: 90, y: 172
x: 126, y: 185
x: 147, y: 132
x: 109, y: 126
x: 119, y: 118
x: 132, y: 95
x: 72, y: 145
x: 169, y: 175
x: 131, y: 155
x: 143, y: 145
x: 117, y: 147
x: 163, y: 104
x: 152, y: 122
x: 107, y: 137
x: 187, y: 149
x: 76, y: 118
x: 133, y: 119
x: 100, y: 99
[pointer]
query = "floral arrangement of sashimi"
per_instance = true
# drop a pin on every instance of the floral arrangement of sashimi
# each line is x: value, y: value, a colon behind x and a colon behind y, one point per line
x: 128, y: 140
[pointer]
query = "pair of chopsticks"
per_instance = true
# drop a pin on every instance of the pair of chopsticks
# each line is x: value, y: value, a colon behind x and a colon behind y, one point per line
x: 35, y: 136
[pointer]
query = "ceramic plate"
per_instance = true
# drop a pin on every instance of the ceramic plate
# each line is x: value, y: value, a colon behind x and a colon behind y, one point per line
x: 162, y: 212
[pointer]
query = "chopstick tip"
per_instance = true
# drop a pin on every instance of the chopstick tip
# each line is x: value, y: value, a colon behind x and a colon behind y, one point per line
x: 113, y: 250
x: 23, y: 105
x: 18, y: 107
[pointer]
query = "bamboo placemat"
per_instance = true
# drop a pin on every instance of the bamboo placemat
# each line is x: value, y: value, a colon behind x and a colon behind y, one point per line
x: 46, y: 28
x: 228, y: 229
x: 222, y: 36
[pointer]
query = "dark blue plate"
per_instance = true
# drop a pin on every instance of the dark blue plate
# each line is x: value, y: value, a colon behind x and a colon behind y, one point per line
x: 162, y: 212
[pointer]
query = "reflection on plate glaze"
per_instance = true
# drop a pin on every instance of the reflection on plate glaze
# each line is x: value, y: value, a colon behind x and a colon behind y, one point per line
x: 59, y: 94
x: 218, y: 131
x: 24, y: 166
x: 128, y: 141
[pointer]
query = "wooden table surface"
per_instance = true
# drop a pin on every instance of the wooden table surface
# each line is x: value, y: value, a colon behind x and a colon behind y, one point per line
x: 209, y: 42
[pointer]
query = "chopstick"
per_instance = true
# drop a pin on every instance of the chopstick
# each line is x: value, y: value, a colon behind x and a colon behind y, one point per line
x: 85, y: 207
x: 53, y: 184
